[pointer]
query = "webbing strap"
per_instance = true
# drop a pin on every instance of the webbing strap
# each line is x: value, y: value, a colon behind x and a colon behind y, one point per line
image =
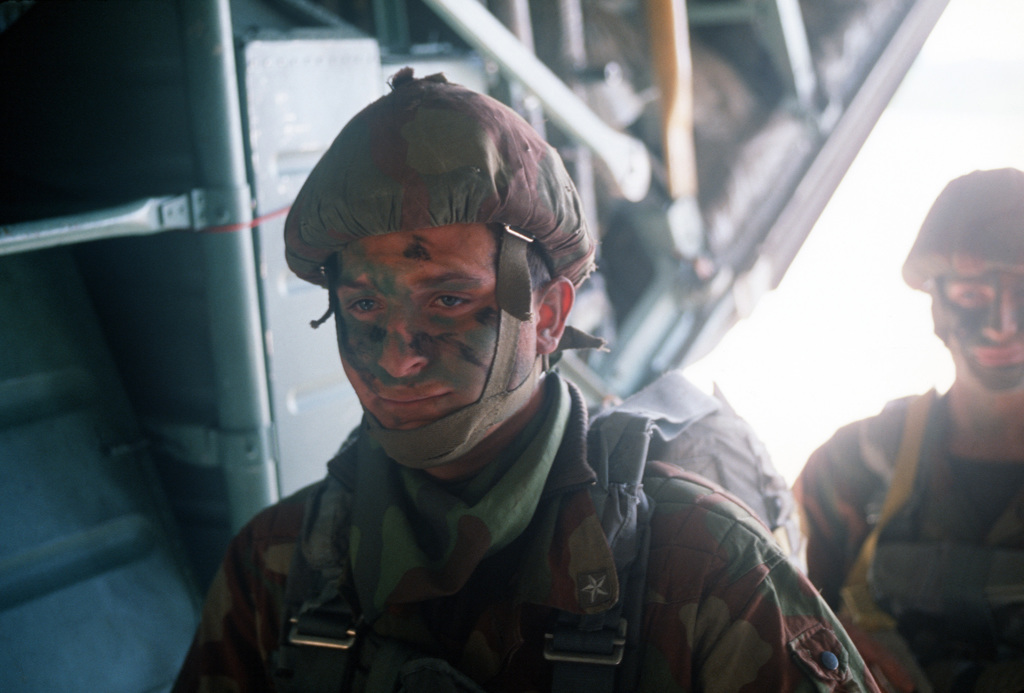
x: 320, y: 630
x: 318, y: 652
x: 598, y: 653
x: 856, y: 593
x: 945, y: 578
x: 584, y: 655
x: 513, y: 290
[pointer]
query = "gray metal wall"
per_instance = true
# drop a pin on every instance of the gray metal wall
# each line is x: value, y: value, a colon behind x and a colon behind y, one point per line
x: 298, y: 93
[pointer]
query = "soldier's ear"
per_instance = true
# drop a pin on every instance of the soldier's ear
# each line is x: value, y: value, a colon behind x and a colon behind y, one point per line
x: 552, y: 304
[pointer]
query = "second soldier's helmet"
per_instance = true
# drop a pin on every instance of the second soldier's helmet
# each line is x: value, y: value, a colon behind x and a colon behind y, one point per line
x: 979, y: 215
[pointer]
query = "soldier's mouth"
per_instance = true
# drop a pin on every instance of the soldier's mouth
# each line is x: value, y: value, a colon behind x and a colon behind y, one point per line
x: 404, y: 411
x: 999, y: 356
x: 401, y: 400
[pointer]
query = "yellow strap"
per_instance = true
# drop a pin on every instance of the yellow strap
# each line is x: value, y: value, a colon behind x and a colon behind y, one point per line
x: 668, y: 31
x: 857, y: 601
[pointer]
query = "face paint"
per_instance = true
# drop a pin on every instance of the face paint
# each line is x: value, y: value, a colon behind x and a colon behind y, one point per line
x: 417, y: 322
x: 416, y: 250
x: 980, y: 316
x: 428, y: 344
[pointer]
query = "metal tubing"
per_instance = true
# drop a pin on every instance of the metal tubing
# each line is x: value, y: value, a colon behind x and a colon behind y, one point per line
x: 708, y: 13
x: 197, y: 210
x: 626, y: 157
x: 74, y: 558
x: 243, y: 405
x: 792, y: 50
x: 515, y: 14
x: 216, y: 119
x: 132, y: 219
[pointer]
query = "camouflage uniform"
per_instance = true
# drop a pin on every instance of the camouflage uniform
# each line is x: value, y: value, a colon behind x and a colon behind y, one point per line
x: 469, y: 575
x: 922, y: 547
x: 841, y: 492
x: 724, y: 610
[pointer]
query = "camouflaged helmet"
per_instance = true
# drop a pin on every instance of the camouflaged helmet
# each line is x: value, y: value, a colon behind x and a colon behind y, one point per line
x: 979, y: 215
x: 432, y: 153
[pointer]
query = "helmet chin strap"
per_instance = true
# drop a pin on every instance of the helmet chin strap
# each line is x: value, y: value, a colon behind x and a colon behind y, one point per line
x: 454, y: 435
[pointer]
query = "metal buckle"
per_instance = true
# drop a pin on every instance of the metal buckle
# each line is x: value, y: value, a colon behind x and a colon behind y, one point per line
x: 296, y: 638
x: 613, y: 658
x: 518, y: 234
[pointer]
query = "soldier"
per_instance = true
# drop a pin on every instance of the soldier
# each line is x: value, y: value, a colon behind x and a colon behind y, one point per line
x: 475, y: 532
x: 915, y: 517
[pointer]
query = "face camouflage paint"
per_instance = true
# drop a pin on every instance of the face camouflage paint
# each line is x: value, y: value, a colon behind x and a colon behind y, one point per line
x: 980, y: 316
x: 417, y: 335
x: 424, y: 341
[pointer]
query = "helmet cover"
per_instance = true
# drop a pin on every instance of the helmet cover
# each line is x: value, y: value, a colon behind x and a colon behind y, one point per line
x: 979, y: 215
x: 433, y: 153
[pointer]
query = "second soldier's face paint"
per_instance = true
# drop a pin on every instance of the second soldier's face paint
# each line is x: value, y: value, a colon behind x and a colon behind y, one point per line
x: 980, y: 315
x: 418, y: 321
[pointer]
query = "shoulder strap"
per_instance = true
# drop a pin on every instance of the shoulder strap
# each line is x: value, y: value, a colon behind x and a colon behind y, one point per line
x: 320, y: 629
x: 856, y: 594
x: 317, y: 638
x: 588, y: 652
x: 599, y: 653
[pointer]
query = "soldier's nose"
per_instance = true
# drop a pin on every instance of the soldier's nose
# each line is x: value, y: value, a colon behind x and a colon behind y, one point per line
x: 1004, y: 318
x: 399, y: 355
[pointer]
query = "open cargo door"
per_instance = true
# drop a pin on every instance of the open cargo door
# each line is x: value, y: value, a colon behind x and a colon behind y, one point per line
x: 722, y: 129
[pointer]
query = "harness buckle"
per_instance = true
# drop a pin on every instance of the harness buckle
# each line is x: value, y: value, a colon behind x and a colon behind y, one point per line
x: 295, y: 637
x: 583, y: 646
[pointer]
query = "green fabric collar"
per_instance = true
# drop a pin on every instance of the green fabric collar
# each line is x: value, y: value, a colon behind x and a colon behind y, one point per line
x: 411, y: 539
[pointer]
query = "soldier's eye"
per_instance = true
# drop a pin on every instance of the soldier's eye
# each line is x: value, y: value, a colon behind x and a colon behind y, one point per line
x: 450, y: 301
x: 969, y: 294
x: 364, y: 305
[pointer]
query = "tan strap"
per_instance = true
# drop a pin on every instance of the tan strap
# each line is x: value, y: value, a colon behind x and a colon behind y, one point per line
x: 668, y: 29
x: 513, y: 291
x: 857, y: 601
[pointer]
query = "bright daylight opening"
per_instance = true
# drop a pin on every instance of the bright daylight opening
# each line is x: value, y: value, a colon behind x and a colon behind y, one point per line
x: 843, y: 334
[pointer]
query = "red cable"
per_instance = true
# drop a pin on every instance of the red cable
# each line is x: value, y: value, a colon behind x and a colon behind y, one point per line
x: 247, y: 224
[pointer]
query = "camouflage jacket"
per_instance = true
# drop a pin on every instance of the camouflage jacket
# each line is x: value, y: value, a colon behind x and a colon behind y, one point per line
x: 841, y: 492
x: 723, y: 610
